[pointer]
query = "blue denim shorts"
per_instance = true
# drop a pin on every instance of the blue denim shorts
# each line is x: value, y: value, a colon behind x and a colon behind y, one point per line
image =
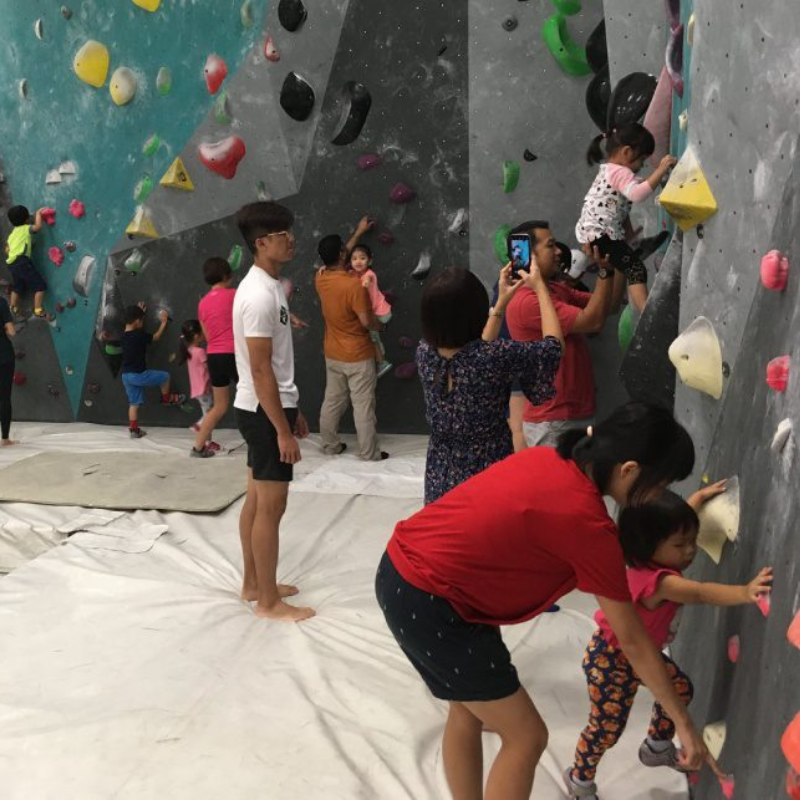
x: 136, y: 382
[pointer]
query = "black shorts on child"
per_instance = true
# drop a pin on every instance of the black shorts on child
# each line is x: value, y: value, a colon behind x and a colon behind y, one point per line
x: 263, y: 453
x: 25, y: 277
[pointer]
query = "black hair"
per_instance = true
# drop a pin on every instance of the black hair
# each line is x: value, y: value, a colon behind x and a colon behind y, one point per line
x: 18, y: 215
x: 216, y: 270
x: 259, y: 219
x: 642, y: 528
x: 455, y: 307
x: 530, y: 227
x: 631, y: 134
x: 189, y: 331
x: 330, y: 249
x: 565, y: 256
x: 133, y: 314
x: 641, y: 432
x: 365, y: 249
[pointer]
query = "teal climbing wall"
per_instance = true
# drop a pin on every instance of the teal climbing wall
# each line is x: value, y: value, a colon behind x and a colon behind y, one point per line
x: 63, y: 119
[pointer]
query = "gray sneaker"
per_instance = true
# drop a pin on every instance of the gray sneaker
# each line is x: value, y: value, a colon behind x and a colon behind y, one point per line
x: 204, y: 453
x: 576, y: 790
x: 666, y: 758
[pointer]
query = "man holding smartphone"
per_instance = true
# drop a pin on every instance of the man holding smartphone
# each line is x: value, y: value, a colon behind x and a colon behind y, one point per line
x: 579, y: 313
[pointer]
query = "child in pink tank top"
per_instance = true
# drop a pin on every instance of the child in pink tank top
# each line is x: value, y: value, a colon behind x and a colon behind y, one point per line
x: 659, y: 541
x: 361, y: 262
x: 193, y: 354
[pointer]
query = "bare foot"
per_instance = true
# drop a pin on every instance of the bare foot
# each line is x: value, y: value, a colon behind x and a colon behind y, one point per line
x: 9, y: 442
x: 284, y: 590
x: 285, y: 612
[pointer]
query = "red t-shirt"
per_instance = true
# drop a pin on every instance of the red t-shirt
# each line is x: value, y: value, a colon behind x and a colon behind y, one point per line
x: 216, y: 313
x: 575, y: 380
x: 503, y: 546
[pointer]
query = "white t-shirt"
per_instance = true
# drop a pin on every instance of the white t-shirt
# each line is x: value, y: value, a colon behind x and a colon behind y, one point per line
x: 261, y: 311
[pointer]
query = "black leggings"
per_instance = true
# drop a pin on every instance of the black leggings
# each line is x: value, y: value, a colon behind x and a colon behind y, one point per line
x: 623, y: 258
x: 6, y: 384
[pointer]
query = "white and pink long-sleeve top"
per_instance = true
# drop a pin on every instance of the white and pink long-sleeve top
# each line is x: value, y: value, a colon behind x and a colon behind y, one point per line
x: 380, y: 305
x: 608, y: 203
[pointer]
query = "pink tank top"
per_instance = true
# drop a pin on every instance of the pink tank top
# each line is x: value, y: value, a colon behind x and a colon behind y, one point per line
x: 199, y: 382
x: 216, y: 313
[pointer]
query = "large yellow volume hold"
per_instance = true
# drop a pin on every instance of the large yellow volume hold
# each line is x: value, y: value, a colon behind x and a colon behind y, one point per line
x: 91, y: 63
x: 148, y: 5
x: 176, y: 177
x: 687, y: 197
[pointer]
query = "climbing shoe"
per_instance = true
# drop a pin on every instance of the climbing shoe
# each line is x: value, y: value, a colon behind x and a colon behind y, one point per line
x: 204, y: 453
x: 39, y: 313
x: 137, y: 433
x: 579, y: 790
x: 213, y: 446
x: 665, y: 758
x: 173, y: 399
x: 383, y: 368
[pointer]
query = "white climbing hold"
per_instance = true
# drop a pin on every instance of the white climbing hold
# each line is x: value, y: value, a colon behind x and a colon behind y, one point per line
x: 719, y: 520
x: 690, y: 29
x: 123, y: 86
x: 22, y: 88
x: 83, y: 275
x: 714, y: 737
x: 38, y: 29
x: 783, y: 434
x: 458, y: 221
x: 697, y: 356
x: 423, y: 266
x: 67, y: 168
x: 53, y: 177
x: 683, y: 120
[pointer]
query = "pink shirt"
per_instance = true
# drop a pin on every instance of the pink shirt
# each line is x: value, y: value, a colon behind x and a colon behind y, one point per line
x: 658, y: 621
x: 380, y: 305
x: 216, y: 313
x: 199, y: 382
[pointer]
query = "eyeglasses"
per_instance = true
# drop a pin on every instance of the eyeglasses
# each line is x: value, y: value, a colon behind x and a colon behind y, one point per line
x: 288, y: 234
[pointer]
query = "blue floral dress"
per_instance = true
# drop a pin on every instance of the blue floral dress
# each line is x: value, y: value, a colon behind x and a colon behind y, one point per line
x: 469, y: 431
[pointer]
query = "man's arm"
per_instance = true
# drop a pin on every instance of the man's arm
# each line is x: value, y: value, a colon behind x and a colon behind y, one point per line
x: 592, y: 318
x: 617, y: 292
x: 370, y: 321
x: 364, y: 224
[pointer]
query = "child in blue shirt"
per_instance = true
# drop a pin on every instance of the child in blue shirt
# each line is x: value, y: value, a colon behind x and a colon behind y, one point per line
x: 19, y: 252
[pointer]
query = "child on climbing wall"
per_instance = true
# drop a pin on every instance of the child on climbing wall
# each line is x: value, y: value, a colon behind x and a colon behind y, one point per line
x: 193, y: 354
x: 605, y: 221
x: 19, y: 254
x: 361, y: 263
x: 659, y: 542
x: 135, y: 375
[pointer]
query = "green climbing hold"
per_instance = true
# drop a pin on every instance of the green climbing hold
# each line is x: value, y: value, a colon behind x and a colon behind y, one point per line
x: 501, y: 243
x: 625, y: 329
x: 567, y: 7
x: 222, y: 109
x: 510, y: 176
x: 113, y: 350
x: 142, y: 189
x: 151, y: 145
x: 246, y: 13
x: 164, y: 81
x: 235, y: 258
x: 569, y: 56
x: 133, y: 263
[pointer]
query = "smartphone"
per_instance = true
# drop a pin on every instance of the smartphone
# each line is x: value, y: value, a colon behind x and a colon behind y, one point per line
x: 520, y: 250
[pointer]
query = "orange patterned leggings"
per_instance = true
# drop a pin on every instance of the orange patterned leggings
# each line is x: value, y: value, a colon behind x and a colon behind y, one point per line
x: 612, y: 688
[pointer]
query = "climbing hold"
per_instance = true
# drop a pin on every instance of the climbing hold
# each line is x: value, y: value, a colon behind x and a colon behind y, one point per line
x: 82, y: 281
x: 22, y: 88
x: 402, y: 193
x: 297, y: 97
x: 56, y: 255
x: 501, y: 243
x: 148, y: 5
x: 782, y: 436
x: 71, y: 302
x: 59, y: 307
x: 774, y: 271
x: 20, y: 378
x: 48, y: 215
x: 625, y: 329
x: 510, y: 176
x: 423, y: 266
x: 727, y: 786
x: 597, y: 48
x: 734, y: 648
x: 19, y: 353
x: 778, y: 373
x: 93, y: 388
x: 369, y: 161
x: 406, y: 371
x: 568, y: 55
x: 386, y: 238
x: 687, y: 196
x: 52, y: 390
x: 683, y: 121
x: 246, y: 14
x: 142, y: 225
x: 77, y: 209
x: 38, y: 29
x: 151, y: 145
x: 697, y: 356
x: 123, y: 86
x: 292, y: 14
x: 66, y: 12
x: 176, y: 177
x: 690, y: 29
x: 133, y: 263
x: 222, y: 112
x: 215, y: 71
x: 674, y: 59
x: 719, y: 520
x: 658, y: 119
x: 270, y: 50
x: 235, y: 257
x: 70, y: 247
x: 792, y: 784
x: 67, y: 168
x: 223, y: 157
x: 763, y: 602
x: 528, y: 156
x: 457, y: 223
x: 793, y: 634
x: 357, y: 102
x: 164, y: 81
x: 53, y: 177
x: 91, y: 63
x: 630, y: 99
x: 143, y: 188
x: 261, y: 191
x: 567, y: 7
x: 790, y: 743
x: 714, y: 736
x: 510, y: 24
x: 598, y: 94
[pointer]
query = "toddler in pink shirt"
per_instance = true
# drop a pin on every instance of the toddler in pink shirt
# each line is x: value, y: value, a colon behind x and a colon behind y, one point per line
x: 361, y: 263
x: 193, y: 354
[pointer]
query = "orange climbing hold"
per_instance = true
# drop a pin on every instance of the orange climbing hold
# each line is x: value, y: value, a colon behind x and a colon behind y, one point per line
x: 790, y: 743
x: 793, y: 634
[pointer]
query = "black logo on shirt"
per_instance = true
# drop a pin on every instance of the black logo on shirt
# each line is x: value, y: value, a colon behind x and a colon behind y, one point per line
x: 284, y: 315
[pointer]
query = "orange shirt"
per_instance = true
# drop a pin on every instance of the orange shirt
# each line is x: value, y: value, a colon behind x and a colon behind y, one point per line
x: 342, y: 298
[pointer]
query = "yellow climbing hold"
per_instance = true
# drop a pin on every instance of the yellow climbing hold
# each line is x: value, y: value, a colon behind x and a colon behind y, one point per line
x: 719, y: 521
x: 142, y: 225
x: 91, y: 63
x: 148, y: 5
x: 687, y: 196
x: 714, y: 736
x: 176, y: 177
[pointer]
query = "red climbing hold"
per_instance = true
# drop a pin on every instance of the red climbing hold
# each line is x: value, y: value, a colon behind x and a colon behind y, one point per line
x: 774, y: 271
x: 763, y: 604
x: 793, y: 634
x: 778, y: 373
x: 270, y: 51
x: 19, y: 379
x: 792, y: 784
x: 77, y: 209
x: 56, y: 255
x: 402, y: 194
x: 216, y: 70
x: 369, y: 161
x: 59, y: 308
x: 790, y: 743
x: 385, y: 237
x: 48, y: 215
x: 733, y: 649
x: 72, y: 302
x: 727, y: 786
x: 223, y: 157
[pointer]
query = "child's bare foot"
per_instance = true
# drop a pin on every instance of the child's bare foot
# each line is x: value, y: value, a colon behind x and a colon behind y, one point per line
x: 9, y: 442
x: 250, y: 595
x: 285, y: 612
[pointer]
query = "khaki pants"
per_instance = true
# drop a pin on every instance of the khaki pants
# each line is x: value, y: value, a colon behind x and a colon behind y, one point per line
x: 350, y: 382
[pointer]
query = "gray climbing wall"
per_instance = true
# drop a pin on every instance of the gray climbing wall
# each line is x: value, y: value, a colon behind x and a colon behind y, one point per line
x: 637, y: 34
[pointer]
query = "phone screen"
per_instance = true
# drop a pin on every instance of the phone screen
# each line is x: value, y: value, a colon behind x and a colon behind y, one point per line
x: 520, y: 253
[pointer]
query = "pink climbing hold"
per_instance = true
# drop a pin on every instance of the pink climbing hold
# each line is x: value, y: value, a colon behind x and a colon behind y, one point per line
x: 793, y: 634
x: 48, y: 215
x: 792, y: 784
x: 386, y: 237
x: 401, y: 193
x: 727, y: 786
x: 270, y: 51
x: 693, y: 778
x: 369, y: 161
x: 56, y: 255
x: 406, y: 371
x: 733, y: 649
x: 774, y: 271
x: 764, y: 604
x: 72, y: 302
x: 59, y: 308
x: 19, y: 379
x: 216, y: 70
x: 778, y: 373
x: 77, y: 209
x: 790, y: 743
x: 223, y: 157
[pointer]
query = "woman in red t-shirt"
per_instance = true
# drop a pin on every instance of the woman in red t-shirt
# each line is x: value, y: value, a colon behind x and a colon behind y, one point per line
x: 501, y: 548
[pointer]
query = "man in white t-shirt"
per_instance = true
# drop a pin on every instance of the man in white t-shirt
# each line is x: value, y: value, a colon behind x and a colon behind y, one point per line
x: 266, y: 404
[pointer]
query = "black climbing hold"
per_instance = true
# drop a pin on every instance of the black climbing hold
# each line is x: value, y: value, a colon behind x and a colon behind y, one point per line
x: 66, y: 12
x: 726, y: 369
x: 292, y: 14
x: 597, y: 48
x: 510, y: 24
x: 598, y: 93
x: 297, y: 97
x: 442, y: 50
x: 701, y: 231
x: 357, y: 103
x: 630, y: 99
x: 528, y: 156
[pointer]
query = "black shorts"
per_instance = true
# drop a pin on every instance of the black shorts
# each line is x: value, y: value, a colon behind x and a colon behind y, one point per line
x: 263, y: 454
x: 25, y: 277
x: 222, y: 369
x: 623, y: 259
x: 458, y: 660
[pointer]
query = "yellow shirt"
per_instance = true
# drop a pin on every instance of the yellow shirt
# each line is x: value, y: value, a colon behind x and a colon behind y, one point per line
x: 20, y: 243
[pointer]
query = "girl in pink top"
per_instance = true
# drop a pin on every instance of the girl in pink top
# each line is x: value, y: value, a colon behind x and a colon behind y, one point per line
x: 605, y: 221
x: 659, y: 541
x: 193, y: 355
x: 361, y: 262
